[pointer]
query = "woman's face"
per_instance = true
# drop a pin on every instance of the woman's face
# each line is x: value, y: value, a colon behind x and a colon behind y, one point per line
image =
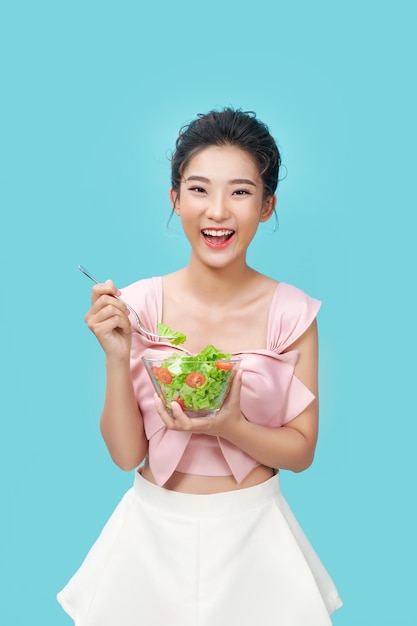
x: 221, y: 202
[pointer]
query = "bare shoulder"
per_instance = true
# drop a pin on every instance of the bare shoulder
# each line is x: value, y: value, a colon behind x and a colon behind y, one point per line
x: 173, y: 280
x: 261, y: 284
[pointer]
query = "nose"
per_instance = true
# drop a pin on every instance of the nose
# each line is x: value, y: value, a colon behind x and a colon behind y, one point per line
x: 217, y: 208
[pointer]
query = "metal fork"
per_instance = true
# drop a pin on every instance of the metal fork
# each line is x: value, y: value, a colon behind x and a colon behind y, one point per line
x: 147, y: 333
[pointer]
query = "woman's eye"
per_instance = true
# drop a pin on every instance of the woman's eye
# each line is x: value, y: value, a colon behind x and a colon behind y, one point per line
x: 197, y: 189
x: 241, y: 192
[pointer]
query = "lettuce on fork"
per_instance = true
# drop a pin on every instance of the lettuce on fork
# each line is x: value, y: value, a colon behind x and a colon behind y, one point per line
x: 174, y: 336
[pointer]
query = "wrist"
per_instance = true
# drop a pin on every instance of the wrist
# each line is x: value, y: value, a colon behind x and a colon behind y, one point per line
x: 117, y: 363
x: 233, y: 429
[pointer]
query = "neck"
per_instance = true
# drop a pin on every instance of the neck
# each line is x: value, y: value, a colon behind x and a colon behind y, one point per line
x: 216, y: 284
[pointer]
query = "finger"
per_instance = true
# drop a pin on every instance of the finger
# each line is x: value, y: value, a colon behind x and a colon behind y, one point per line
x: 191, y: 424
x: 234, y: 395
x: 104, y: 288
x: 106, y: 306
x: 117, y: 323
x: 168, y: 420
x: 105, y: 322
x: 180, y: 417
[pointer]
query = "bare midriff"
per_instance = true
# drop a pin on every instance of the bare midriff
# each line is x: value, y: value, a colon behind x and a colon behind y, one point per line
x: 195, y: 483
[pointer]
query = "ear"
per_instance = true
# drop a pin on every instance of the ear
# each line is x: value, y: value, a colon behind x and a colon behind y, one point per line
x: 268, y: 208
x: 174, y: 197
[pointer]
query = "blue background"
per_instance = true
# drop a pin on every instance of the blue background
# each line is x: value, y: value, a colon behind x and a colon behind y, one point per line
x: 93, y: 94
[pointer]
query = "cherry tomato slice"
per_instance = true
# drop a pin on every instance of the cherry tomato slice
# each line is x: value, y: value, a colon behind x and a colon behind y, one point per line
x: 180, y: 402
x: 223, y: 365
x: 163, y: 375
x: 195, y: 379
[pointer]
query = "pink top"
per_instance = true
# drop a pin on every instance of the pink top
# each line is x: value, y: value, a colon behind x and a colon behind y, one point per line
x: 271, y: 395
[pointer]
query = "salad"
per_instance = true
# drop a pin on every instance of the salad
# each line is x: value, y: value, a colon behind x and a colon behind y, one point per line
x: 197, y: 383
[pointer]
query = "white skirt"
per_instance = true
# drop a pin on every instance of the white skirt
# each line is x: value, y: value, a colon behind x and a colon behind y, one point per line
x: 230, y: 559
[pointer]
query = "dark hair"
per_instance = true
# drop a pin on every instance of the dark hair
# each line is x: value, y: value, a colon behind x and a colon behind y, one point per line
x: 228, y: 127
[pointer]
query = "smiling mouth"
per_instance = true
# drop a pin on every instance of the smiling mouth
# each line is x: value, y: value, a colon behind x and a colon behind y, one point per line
x: 217, y: 237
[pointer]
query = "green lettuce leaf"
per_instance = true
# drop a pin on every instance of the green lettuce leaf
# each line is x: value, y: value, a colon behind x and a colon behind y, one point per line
x: 209, y: 394
x: 174, y: 336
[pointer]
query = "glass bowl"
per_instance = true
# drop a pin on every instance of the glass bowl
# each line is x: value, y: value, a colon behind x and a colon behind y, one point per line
x: 199, y: 387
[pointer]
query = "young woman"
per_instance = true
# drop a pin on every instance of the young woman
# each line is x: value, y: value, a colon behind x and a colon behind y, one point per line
x: 205, y: 537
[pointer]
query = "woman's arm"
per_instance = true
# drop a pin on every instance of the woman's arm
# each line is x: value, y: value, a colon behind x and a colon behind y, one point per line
x: 291, y: 446
x: 121, y: 423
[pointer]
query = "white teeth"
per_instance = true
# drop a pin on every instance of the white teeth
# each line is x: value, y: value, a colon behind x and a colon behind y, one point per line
x: 217, y: 233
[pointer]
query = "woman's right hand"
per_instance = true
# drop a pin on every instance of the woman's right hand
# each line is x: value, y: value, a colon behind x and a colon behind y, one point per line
x: 108, y: 320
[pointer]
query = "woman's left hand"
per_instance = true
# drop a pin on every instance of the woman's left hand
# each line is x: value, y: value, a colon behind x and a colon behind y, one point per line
x: 219, y: 425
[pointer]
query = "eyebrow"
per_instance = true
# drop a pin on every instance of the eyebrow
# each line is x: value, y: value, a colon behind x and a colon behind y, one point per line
x: 235, y: 181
